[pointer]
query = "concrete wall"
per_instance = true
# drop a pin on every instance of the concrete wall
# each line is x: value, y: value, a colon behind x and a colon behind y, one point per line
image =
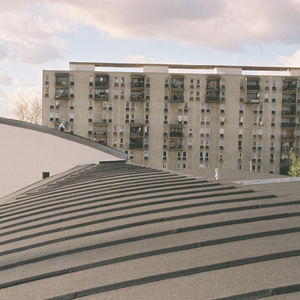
x: 25, y: 154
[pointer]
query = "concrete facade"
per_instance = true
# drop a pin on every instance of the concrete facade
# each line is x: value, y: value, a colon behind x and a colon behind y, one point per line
x: 220, y: 118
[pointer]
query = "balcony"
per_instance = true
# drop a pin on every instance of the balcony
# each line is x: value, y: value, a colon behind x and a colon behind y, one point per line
x: 177, y: 83
x: 61, y: 80
x: 175, y: 144
x: 176, y: 131
x: 136, y: 131
x: 136, y: 143
x: 101, y: 94
x: 101, y: 81
x: 288, y: 112
x: 213, y: 84
x: 288, y: 125
x: 252, y: 98
x: 253, y: 84
x: 287, y: 99
x: 61, y: 93
x: 137, y: 82
x: 287, y: 137
x: 213, y: 97
x: 177, y: 96
x: 137, y: 95
x: 289, y: 86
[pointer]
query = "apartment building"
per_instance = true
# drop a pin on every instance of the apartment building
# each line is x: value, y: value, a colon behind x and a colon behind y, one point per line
x: 181, y: 116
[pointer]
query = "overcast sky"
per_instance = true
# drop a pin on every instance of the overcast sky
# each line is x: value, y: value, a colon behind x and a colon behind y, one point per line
x: 47, y: 34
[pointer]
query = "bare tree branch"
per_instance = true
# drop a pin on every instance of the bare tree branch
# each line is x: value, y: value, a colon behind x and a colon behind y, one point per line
x: 29, y: 110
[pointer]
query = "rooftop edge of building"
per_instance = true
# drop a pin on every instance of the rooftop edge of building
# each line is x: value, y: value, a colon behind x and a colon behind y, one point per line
x: 165, y: 68
x: 64, y: 135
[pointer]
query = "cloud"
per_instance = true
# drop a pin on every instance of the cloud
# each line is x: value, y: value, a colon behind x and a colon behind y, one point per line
x: 140, y: 58
x: 5, y: 79
x: 292, y: 60
x: 6, y: 105
x: 220, y: 24
x: 30, y: 30
x: 27, y: 35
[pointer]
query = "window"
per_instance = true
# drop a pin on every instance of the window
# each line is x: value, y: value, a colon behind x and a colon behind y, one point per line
x: 122, y: 81
x: 51, y: 116
x: 147, y: 94
x: 51, y: 103
x: 47, y: 92
x: 222, y: 108
x: 221, y: 132
x: 91, y: 80
x: 71, y: 117
x: 71, y: 104
x: 147, y: 82
x: 221, y: 145
x: 164, y: 156
x: 116, y: 81
x: 47, y: 79
x: 241, y: 121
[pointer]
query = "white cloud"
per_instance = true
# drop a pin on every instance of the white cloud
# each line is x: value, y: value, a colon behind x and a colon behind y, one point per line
x: 30, y: 29
x: 26, y: 36
x: 140, y: 58
x: 5, y: 79
x: 222, y: 24
x: 14, y: 89
x: 6, y: 105
x: 292, y: 60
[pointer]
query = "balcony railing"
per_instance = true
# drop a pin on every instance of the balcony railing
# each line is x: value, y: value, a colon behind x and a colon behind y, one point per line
x: 175, y: 146
x: 137, y: 95
x: 288, y: 125
x: 136, y: 143
x: 101, y: 94
x: 177, y: 83
x: 138, y: 82
x: 102, y: 81
x: 177, y: 96
x: 61, y: 93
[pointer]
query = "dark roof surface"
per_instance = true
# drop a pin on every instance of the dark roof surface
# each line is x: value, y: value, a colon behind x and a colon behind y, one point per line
x: 64, y: 135
x: 119, y: 231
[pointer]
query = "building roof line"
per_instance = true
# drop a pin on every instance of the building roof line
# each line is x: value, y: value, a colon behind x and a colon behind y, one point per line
x: 184, y: 66
x: 65, y: 135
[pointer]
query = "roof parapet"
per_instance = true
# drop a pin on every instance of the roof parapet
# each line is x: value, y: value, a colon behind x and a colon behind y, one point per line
x: 232, y: 71
x: 167, y: 68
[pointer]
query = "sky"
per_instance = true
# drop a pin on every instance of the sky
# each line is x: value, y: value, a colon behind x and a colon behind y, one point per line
x: 48, y: 34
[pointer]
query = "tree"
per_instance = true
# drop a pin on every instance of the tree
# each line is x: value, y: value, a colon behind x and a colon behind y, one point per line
x: 29, y: 110
x: 295, y: 165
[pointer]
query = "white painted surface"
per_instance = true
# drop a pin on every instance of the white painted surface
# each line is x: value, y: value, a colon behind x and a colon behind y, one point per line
x: 155, y: 69
x: 231, y: 71
x: 25, y: 154
x: 293, y: 72
x: 82, y: 67
x: 266, y: 181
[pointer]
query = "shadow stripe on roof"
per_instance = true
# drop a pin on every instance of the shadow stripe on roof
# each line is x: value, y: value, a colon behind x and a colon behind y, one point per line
x: 61, y: 182
x: 60, y: 205
x: 180, y: 273
x: 117, y: 190
x: 275, y: 291
x: 146, y: 222
x: 144, y: 254
x: 238, y: 192
x: 108, y: 184
x: 199, y: 227
x: 26, y: 198
x: 60, y: 221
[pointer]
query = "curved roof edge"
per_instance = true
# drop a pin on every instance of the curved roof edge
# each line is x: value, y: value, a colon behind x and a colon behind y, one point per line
x: 64, y: 135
